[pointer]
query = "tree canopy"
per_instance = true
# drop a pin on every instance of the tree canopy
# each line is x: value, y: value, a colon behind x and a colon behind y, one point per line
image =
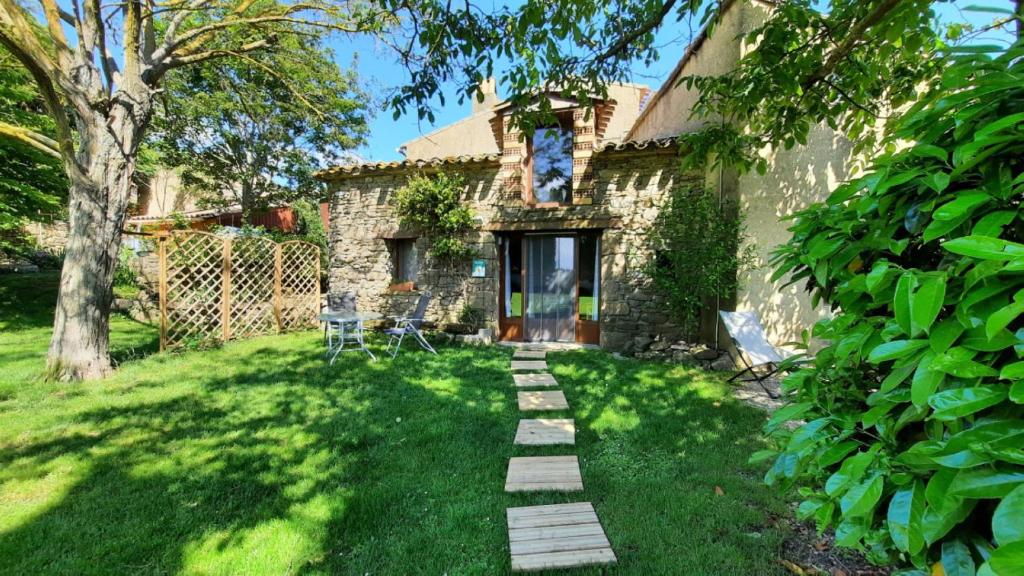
x: 251, y: 129
x: 32, y: 183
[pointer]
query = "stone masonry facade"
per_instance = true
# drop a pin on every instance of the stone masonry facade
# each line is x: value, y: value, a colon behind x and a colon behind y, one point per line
x: 629, y: 187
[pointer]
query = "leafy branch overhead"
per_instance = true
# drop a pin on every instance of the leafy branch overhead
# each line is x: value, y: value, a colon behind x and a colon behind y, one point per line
x: 845, y: 63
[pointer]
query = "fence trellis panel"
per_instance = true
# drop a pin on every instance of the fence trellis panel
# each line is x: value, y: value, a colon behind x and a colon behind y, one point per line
x: 214, y: 288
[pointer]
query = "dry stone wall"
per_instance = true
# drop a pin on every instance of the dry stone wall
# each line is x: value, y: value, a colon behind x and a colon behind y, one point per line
x: 629, y: 188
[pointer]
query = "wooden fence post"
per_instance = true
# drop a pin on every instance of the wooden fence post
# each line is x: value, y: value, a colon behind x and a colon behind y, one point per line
x: 277, y: 286
x: 225, y: 300
x: 162, y: 288
x: 317, y: 304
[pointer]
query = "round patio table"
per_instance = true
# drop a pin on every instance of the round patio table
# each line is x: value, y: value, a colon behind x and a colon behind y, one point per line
x: 345, y: 332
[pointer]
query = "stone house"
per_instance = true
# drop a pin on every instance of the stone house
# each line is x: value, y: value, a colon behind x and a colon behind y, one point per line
x: 563, y: 216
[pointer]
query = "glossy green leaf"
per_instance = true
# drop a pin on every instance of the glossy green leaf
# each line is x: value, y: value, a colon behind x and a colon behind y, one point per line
x: 984, y: 247
x: 994, y: 482
x: 1001, y: 318
x: 852, y: 470
x: 906, y: 508
x: 1008, y: 560
x: 926, y: 381
x: 1017, y: 392
x: 926, y: 303
x: 901, y: 301
x: 956, y: 559
x: 1013, y: 371
x: 861, y: 498
x: 1008, y: 519
x: 952, y: 404
x: 962, y: 205
x: 895, y: 349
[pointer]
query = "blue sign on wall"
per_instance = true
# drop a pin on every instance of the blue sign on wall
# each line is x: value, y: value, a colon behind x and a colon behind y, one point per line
x: 479, y: 269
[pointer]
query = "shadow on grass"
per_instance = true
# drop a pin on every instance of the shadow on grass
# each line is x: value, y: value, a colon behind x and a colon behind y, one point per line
x: 283, y: 459
x: 281, y: 464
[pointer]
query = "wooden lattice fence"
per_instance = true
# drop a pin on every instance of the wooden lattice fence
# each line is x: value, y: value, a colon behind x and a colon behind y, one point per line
x: 214, y: 288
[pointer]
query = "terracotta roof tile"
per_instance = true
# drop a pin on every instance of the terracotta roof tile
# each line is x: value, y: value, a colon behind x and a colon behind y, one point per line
x: 369, y: 167
x: 636, y: 145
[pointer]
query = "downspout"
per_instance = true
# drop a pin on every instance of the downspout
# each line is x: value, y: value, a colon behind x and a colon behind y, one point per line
x: 718, y: 293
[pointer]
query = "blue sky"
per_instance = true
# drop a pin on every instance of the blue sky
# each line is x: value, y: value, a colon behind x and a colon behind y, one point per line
x: 380, y: 71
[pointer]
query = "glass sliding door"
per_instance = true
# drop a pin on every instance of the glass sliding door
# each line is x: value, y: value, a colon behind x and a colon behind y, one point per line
x: 551, y: 288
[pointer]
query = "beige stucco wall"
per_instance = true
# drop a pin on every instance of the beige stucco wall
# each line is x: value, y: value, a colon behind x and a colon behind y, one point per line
x: 628, y: 98
x: 164, y: 195
x: 669, y: 112
x: 795, y: 179
x: 474, y: 134
x: 467, y: 137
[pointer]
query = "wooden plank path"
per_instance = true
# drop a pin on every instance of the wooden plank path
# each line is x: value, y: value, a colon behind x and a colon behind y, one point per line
x: 544, y: 473
x: 542, y: 400
x: 559, y: 535
x: 529, y: 365
x: 556, y: 536
x: 539, y: 380
x: 546, y: 432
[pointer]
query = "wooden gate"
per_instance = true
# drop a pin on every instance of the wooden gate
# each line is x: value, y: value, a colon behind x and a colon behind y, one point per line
x: 216, y: 289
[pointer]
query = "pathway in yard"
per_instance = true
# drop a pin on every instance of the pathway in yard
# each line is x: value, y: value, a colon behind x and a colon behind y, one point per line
x: 559, y: 535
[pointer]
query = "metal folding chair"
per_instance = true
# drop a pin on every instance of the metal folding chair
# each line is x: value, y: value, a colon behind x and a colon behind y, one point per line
x: 410, y: 326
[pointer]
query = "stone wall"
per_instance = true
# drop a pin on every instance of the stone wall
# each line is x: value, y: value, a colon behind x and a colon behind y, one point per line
x: 634, y: 187
x: 629, y: 188
x: 363, y: 219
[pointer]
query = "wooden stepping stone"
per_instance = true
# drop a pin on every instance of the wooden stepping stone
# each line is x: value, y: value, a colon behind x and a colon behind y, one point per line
x: 553, y: 400
x: 539, y: 380
x: 529, y: 354
x: 529, y: 365
x: 535, y: 473
x: 556, y: 536
x: 546, y: 432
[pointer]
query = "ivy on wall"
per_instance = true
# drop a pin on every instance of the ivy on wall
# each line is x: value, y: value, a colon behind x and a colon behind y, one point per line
x: 700, y: 248
x: 433, y: 205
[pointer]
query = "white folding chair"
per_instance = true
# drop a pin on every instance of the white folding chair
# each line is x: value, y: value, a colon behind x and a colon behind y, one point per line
x: 747, y: 335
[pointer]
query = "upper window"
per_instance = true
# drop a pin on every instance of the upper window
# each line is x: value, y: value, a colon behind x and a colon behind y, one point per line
x: 551, y: 162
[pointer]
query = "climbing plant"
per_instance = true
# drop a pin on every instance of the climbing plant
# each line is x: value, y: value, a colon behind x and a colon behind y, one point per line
x: 913, y: 414
x: 433, y: 205
x: 700, y: 247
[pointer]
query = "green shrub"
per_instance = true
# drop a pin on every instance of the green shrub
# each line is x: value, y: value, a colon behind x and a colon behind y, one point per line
x: 124, y: 274
x: 433, y: 205
x: 914, y: 425
x: 472, y: 316
x: 700, y: 247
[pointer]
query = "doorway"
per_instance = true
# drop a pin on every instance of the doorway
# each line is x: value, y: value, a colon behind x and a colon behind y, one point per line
x: 550, y: 286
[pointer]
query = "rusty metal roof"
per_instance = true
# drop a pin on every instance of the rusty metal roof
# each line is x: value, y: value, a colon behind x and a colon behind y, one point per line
x: 364, y: 168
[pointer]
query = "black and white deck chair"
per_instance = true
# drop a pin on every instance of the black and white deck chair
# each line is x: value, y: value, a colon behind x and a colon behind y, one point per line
x: 410, y: 326
x: 760, y: 358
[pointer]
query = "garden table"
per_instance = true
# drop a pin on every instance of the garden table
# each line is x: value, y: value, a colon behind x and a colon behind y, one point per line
x: 345, y: 332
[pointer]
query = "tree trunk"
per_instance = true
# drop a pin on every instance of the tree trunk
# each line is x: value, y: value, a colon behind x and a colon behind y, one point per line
x: 98, y: 204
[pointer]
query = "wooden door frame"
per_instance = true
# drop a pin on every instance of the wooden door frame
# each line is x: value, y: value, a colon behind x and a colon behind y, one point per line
x: 514, y: 329
x: 589, y: 331
x: 511, y: 329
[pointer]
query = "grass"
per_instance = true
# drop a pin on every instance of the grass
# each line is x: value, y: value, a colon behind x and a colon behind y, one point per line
x: 258, y: 458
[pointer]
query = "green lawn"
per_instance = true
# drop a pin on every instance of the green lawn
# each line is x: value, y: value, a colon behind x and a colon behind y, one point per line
x: 258, y: 458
